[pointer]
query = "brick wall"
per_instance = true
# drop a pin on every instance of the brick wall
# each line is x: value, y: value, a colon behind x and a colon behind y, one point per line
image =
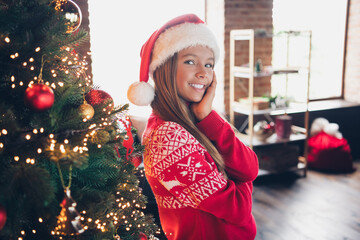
x: 352, y: 57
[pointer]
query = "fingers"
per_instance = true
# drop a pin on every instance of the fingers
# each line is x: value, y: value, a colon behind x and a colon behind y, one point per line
x: 214, y: 80
x: 210, y: 92
x: 204, y: 107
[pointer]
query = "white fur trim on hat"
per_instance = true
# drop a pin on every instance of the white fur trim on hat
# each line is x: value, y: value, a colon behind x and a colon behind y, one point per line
x: 141, y: 93
x: 180, y: 37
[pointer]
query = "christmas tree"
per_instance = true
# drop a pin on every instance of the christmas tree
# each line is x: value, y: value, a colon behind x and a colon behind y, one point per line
x: 66, y: 152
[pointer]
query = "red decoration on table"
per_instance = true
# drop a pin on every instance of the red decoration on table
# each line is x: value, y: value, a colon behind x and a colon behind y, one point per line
x: 3, y: 216
x: 283, y: 126
x: 96, y: 97
x: 39, y: 97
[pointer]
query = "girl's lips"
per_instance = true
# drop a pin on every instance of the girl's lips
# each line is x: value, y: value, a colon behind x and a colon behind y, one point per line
x: 197, y: 86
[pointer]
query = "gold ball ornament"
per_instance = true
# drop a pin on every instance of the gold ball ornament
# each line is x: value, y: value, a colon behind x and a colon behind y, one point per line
x: 86, y: 111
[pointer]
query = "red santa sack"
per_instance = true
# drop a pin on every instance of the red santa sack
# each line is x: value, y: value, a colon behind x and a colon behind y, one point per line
x: 329, y: 153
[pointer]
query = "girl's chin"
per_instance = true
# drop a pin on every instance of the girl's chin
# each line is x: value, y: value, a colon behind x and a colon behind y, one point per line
x: 189, y: 101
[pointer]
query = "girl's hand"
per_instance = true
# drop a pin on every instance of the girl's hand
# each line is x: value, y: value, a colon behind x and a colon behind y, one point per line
x: 204, y: 107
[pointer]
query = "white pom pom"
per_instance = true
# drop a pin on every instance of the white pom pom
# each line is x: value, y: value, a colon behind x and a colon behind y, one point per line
x: 141, y: 93
x: 318, y: 125
x: 333, y: 130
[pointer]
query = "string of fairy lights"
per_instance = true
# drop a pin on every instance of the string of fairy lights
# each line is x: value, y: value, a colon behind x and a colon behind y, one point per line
x: 78, y: 67
x: 80, y: 71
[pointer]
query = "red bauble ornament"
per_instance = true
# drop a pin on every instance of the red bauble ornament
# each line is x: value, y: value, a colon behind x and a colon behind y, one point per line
x: 137, y: 160
x: 142, y: 236
x: 97, y: 97
x: 3, y: 216
x: 39, y: 97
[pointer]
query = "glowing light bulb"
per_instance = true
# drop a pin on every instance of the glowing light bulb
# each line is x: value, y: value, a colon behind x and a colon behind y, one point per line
x: 7, y: 39
x: 62, y: 148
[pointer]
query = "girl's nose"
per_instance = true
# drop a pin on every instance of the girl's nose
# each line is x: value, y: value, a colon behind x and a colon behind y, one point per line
x: 201, y: 72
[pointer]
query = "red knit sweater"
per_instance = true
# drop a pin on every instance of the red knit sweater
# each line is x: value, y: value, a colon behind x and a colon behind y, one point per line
x: 194, y: 199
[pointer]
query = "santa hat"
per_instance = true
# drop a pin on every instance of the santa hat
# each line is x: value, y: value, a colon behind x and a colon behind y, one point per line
x: 177, y: 34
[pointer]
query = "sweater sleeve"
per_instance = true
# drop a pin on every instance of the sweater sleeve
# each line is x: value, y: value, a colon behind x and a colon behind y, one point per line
x: 241, y: 161
x: 183, y: 167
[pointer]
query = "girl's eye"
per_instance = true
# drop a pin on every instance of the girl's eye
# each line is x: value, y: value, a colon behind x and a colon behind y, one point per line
x: 209, y: 65
x: 190, y: 62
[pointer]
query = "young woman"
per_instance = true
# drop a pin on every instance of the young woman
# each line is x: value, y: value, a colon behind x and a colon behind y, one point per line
x: 199, y: 172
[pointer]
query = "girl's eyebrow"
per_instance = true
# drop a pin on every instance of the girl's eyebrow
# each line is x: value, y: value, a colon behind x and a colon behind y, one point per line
x: 194, y: 55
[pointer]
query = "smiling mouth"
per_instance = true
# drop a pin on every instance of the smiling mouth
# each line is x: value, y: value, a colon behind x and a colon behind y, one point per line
x: 197, y: 86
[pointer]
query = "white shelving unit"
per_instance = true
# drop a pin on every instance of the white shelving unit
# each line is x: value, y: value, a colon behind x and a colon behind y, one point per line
x: 249, y: 73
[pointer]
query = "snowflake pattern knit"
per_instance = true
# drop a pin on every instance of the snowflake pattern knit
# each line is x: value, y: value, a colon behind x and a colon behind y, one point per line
x: 195, y: 201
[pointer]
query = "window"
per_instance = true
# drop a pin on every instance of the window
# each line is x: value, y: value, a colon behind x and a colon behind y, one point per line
x: 326, y: 20
x: 118, y: 29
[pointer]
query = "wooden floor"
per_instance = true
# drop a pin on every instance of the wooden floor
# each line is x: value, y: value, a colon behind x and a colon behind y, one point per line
x: 321, y: 206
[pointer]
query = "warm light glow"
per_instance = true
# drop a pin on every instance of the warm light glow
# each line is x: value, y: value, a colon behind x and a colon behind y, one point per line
x: 7, y: 39
x: 28, y: 137
x: 16, y: 158
x: 62, y: 148
x: 37, y: 49
x: 39, y: 150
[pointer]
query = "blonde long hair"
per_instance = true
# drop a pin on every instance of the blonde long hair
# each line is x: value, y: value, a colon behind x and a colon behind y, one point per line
x: 170, y: 107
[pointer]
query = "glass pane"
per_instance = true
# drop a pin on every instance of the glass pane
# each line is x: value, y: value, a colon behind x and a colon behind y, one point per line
x: 326, y: 20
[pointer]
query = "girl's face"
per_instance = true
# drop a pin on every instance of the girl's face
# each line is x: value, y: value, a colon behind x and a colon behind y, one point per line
x: 194, y: 72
